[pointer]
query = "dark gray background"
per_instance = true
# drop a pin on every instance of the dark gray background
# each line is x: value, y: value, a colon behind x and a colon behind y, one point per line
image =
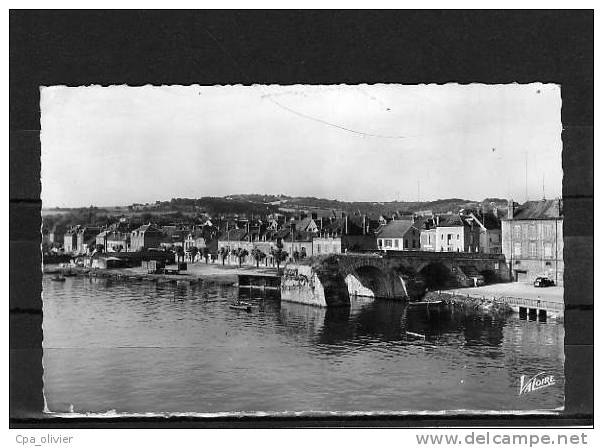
x: 309, y: 47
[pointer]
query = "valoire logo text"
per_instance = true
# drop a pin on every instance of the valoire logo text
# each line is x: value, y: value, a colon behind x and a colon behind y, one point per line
x: 537, y: 382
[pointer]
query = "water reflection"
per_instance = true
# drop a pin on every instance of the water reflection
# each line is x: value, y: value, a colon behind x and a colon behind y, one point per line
x: 383, y: 321
x: 146, y: 346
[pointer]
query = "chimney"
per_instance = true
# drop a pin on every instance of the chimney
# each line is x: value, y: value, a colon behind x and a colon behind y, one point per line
x: 364, y: 224
x: 510, y: 209
x: 346, y: 224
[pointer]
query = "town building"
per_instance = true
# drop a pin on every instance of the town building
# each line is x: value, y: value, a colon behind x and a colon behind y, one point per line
x: 399, y: 234
x: 56, y: 234
x: 70, y: 240
x: 450, y: 233
x: 342, y: 235
x: 115, y: 238
x: 306, y: 224
x: 116, y: 241
x: 86, y: 238
x: 532, y: 240
x: 490, y: 236
x: 194, y: 244
x: 194, y: 238
x: 145, y: 237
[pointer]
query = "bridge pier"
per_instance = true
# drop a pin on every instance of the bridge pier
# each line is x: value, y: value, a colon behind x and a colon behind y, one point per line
x: 301, y: 283
x: 322, y: 284
x: 331, y: 280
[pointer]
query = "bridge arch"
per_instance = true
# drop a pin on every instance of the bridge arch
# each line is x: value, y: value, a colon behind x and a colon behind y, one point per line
x: 368, y: 281
x: 436, y: 275
x: 371, y: 276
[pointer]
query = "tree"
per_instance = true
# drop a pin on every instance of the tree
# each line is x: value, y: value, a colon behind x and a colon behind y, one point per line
x: 258, y: 255
x: 205, y: 253
x: 241, y: 253
x: 179, y: 252
x: 278, y: 254
x: 223, y: 252
x: 193, y: 253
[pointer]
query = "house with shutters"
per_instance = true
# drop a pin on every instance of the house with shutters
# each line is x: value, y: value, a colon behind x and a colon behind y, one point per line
x: 70, y: 240
x: 399, y: 235
x: 453, y: 232
x: 532, y: 240
x: 145, y: 237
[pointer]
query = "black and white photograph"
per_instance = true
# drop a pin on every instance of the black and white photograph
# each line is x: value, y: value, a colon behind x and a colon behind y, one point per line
x: 301, y: 250
x: 301, y: 219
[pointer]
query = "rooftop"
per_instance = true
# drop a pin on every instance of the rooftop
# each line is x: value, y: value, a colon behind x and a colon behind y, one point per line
x: 396, y: 228
x: 544, y: 209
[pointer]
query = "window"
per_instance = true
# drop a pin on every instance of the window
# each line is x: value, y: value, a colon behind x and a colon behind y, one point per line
x: 532, y: 231
x: 517, y: 249
x: 396, y: 243
x: 405, y: 244
x: 533, y: 252
x: 449, y: 237
x: 414, y: 244
x: 548, y: 250
x: 517, y: 232
x: 318, y: 247
x: 379, y: 243
x: 388, y: 243
x: 548, y: 230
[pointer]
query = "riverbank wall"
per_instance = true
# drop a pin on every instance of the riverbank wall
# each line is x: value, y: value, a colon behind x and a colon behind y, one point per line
x: 495, y: 306
x: 128, y: 274
x: 469, y: 304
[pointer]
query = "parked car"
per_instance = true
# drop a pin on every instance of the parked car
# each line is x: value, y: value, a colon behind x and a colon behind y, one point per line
x: 542, y: 282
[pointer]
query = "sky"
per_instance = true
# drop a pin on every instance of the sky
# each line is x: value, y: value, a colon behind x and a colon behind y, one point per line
x: 119, y: 145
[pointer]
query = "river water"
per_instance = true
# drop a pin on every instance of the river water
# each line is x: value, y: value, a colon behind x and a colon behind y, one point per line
x: 138, y: 347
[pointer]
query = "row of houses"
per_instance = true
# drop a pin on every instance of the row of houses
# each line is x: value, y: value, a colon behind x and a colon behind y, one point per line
x: 458, y: 232
x: 529, y: 235
x: 80, y: 240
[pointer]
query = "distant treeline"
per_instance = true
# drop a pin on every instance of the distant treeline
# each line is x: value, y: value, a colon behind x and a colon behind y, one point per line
x: 193, y: 210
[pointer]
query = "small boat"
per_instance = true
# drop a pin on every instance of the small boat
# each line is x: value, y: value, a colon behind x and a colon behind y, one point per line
x: 252, y: 305
x: 416, y: 335
x: 237, y: 306
x: 426, y: 305
x: 58, y: 279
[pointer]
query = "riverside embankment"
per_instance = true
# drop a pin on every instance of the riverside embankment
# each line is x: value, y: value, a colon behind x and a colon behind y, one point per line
x: 210, y: 273
x: 504, y: 298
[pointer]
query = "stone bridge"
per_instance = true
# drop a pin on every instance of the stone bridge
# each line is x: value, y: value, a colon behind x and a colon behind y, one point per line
x: 331, y: 280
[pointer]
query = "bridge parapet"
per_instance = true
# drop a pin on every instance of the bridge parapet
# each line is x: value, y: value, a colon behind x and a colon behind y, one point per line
x: 330, y: 280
